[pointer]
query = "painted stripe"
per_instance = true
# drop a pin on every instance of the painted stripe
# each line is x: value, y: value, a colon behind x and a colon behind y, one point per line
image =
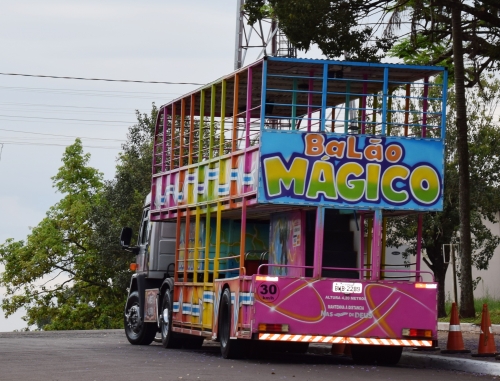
x: 455, y: 328
x: 201, y: 188
x: 234, y: 174
x: 347, y: 340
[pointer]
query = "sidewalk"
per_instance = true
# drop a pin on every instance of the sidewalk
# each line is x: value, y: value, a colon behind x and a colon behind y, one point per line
x: 463, y: 362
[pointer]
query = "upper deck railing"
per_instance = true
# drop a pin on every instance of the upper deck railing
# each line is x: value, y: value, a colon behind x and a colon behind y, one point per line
x: 207, y: 142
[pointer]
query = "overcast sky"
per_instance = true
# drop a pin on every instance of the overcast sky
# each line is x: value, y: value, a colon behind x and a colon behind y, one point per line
x: 180, y: 41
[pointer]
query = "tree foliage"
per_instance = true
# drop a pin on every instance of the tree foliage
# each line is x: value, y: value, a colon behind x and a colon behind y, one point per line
x: 332, y: 25
x: 70, y: 272
x: 442, y: 227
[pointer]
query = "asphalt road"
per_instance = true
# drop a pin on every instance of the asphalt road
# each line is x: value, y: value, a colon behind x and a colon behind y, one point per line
x: 106, y: 355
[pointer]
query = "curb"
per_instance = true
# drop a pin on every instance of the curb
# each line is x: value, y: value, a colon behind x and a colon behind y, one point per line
x: 442, y: 362
x: 469, y: 327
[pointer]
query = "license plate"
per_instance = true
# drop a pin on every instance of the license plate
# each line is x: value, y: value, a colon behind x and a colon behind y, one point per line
x: 347, y: 287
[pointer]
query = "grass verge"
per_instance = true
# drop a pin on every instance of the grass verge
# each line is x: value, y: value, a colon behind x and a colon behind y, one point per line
x: 493, y: 308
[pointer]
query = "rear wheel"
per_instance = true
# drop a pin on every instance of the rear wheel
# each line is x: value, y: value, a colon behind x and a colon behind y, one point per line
x: 230, y: 348
x: 169, y: 339
x: 138, y: 332
x: 389, y: 355
x: 364, y: 354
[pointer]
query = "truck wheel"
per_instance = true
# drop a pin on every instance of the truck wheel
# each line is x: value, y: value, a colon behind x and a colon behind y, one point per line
x: 389, y: 355
x: 364, y: 354
x: 230, y: 348
x: 138, y: 333
x: 169, y: 339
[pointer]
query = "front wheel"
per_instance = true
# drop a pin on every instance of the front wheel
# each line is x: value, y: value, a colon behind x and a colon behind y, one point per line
x: 169, y: 339
x: 230, y: 348
x: 138, y: 332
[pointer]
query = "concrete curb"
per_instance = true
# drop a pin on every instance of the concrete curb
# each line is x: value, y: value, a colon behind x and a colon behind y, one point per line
x: 469, y: 327
x: 449, y: 363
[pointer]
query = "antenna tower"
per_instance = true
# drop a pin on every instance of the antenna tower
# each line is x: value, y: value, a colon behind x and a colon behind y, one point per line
x: 263, y: 34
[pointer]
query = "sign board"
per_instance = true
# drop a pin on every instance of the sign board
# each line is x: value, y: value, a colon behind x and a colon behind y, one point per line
x: 351, y: 171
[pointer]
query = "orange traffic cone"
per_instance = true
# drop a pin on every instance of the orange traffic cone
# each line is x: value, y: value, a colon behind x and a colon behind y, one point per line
x: 455, y: 342
x: 486, y: 347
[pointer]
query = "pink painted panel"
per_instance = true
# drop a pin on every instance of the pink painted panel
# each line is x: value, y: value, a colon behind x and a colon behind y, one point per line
x: 318, y: 307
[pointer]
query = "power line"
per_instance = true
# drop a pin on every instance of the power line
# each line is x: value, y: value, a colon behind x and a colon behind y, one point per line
x: 102, y: 79
x: 66, y: 136
x: 30, y: 88
x: 55, y: 145
x: 72, y: 119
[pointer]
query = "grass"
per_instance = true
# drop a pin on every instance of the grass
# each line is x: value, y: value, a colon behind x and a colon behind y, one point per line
x: 493, y: 308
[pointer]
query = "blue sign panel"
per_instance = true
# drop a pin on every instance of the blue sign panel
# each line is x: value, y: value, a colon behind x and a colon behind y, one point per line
x: 351, y: 171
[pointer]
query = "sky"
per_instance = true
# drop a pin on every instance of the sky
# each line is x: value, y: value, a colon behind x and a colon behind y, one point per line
x: 190, y: 41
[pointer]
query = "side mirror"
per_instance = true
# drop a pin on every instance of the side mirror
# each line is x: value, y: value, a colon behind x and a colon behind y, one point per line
x: 126, y: 237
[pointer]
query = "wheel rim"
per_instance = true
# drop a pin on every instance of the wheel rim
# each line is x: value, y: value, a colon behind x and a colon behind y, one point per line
x: 133, y: 320
x: 165, y: 317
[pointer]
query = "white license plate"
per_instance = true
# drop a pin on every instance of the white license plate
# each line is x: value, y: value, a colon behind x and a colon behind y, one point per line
x: 347, y: 287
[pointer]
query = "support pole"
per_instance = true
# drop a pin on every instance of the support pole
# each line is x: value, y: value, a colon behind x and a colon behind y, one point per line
x: 318, y: 241
x: 420, y: 221
x: 376, y: 244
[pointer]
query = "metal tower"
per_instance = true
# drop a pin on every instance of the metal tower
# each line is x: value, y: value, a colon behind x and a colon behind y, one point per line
x: 263, y: 34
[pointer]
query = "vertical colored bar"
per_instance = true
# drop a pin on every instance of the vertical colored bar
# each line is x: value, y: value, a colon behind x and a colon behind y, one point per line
x: 389, y: 110
x: 172, y: 137
x: 318, y: 241
x: 222, y: 118
x: 361, y: 259
x: 207, y: 246
x: 186, y: 245
x: 249, y: 105
x: 294, y: 104
x: 375, y: 107
x: 196, y: 252
x: 236, y: 90
x: 443, y: 105
x: 243, y: 233
x: 263, y: 99
x: 347, y: 106
x: 177, y: 244
x: 181, y: 137
x: 369, y: 241
x: 201, y: 133
x: 363, y: 104
x: 218, y: 233
x: 383, y: 251
x: 309, y: 100
x: 212, y: 122
x: 164, y: 148
x: 425, y: 107
x: 420, y: 222
x: 384, y: 100
x: 376, y: 244
x: 191, y: 129
x: 324, y: 96
x: 407, y: 107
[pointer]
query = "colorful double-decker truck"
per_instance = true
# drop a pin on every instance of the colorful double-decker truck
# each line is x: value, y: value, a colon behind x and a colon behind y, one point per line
x: 272, y: 188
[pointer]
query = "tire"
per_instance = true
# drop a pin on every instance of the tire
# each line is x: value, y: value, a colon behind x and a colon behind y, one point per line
x: 230, y: 348
x: 137, y: 332
x: 169, y: 339
x: 364, y: 354
x: 389, y: 356
x: 192, y: 342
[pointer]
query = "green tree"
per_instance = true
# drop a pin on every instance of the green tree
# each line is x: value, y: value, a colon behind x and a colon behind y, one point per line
x: 56, y: 274
x: 71, y: 273
x: 466, y: 33
x: 442, y: 227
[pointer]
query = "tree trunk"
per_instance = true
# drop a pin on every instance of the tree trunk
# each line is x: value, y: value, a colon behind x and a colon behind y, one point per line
x: 466, y: 288
x: 438, y: 268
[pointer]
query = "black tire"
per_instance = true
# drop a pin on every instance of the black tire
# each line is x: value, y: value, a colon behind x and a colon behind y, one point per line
x: 364, y: 354
x: 169, y: 339
x: 230, y: 348
x: 389, y: 356
x: 137, y: 332
x: 192, y: 342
